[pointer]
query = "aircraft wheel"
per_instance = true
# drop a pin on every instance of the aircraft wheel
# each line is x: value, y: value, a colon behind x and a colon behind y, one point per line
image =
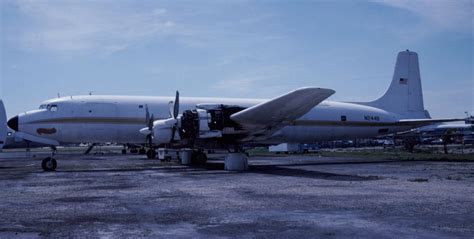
x: 124, y: 151
x: 49, y: 164
x: 151, y: 154
x: 199, y: 158
x: 142, y: 151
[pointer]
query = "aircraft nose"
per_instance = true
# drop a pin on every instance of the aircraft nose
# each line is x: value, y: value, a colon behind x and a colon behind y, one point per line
x: 13, y: 123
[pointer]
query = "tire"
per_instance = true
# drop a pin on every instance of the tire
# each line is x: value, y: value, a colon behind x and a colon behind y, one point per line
x: 49, y: 164
x: 199, y: 158
x: 124, y: 151
x: 151, y: 154
x: 142, y: 151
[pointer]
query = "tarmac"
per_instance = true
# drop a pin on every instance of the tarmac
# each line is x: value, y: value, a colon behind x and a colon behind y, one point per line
x: 115, y: 195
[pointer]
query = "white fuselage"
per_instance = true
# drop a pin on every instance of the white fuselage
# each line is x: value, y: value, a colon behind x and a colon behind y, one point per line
x: 99, y: 119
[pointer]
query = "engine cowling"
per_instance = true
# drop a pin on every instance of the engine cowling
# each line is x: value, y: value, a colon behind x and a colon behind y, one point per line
x: 163, y: 130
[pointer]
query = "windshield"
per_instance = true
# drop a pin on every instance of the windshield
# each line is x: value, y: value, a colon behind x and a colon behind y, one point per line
x: 49, y: 107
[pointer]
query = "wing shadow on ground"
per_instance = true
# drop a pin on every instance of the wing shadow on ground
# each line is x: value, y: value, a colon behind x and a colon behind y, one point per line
x: 216, y: 167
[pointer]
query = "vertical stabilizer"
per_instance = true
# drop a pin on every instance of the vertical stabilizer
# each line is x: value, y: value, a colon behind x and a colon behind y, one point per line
x: 404, y: 96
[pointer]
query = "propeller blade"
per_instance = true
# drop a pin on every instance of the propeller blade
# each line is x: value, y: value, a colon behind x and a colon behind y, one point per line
x: 176, y: 105
x: 172, y: 134
x: 149, y: 139
x: 147, y: 115
x: 150, y: 122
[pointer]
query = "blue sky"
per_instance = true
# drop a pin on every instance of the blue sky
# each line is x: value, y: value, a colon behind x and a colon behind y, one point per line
x: 256, y: 49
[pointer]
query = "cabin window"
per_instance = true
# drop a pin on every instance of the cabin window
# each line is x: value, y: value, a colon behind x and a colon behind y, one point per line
x: 42, y: 107
x: 343, y: 118
x: 140, y: 106
x: 9, y: 134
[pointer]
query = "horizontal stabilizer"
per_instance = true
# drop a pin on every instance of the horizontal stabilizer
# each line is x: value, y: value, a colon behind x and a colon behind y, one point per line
x: 423, y: 122
x: 283, y: 109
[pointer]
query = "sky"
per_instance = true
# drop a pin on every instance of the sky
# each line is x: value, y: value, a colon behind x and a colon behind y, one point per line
x: 238, y: 49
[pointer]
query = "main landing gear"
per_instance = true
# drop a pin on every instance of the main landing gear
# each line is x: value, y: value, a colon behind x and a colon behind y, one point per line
x: 151, y: 154
x: 198, y: 158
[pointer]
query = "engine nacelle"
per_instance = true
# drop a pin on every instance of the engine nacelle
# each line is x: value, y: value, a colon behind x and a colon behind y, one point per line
x: 163, y: 130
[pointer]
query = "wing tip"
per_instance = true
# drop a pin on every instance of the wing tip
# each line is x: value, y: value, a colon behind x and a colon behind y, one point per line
x: 316, y: 90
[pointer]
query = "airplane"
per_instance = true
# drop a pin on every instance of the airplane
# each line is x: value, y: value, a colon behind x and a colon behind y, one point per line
x: 428, y: 134
x: 300, y: 116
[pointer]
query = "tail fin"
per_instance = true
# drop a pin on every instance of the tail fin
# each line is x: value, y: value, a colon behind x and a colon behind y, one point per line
x: 404, y: 96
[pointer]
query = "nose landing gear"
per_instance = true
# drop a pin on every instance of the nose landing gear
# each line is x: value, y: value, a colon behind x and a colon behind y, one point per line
x: 49, y: 164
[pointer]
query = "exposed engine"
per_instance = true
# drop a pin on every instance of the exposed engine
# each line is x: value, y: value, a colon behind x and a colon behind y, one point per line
x: 207, y: 121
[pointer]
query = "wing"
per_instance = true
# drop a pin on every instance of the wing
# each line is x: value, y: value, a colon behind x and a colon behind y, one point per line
x: 36, y: 139
x: 267, y: 117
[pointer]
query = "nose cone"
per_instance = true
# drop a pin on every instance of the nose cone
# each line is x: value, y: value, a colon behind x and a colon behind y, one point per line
x: 13, y: 123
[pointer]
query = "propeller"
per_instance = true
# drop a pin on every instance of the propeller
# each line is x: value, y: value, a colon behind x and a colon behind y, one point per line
x: 147, y: 131
x: 162, y: 131
x: 175, y: 115
x: 176, y: 105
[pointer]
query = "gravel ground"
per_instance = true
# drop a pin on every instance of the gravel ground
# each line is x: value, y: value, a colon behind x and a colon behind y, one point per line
x: 294, y: 196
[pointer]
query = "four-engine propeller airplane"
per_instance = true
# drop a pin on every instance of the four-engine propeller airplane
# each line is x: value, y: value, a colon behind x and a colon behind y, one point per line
x: 302, y: 115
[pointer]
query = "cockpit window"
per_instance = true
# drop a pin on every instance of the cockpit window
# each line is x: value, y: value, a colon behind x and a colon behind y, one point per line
x: 53, y: 108
x: 49, y: 107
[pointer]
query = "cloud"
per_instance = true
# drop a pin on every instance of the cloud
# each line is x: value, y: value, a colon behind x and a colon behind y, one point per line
x: 240, y: 85
x: 66, y: 26
x: 441, y: 13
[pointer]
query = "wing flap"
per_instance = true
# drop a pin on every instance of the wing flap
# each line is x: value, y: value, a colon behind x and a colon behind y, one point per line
x: 283, y: 109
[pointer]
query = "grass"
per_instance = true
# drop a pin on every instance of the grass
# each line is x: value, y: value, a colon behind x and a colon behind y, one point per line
x: 400, y: 155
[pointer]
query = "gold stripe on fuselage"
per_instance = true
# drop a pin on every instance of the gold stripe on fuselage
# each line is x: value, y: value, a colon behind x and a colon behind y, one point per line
x: 91, y: 120
x: 141, y: 121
